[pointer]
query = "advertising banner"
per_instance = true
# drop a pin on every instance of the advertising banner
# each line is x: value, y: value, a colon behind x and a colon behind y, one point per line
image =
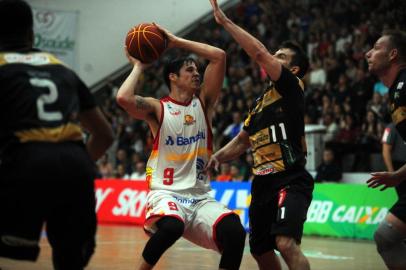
x: 337, y: 210
x: 347, y: 210
x: 55, y: 32
x: 119, y: 201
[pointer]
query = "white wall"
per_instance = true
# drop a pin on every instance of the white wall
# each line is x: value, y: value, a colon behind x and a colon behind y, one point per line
x: 103, y: 25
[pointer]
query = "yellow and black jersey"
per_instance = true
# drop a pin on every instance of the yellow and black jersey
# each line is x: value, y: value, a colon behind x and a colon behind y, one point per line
x: 275, y: 126
x: 40, y: 99
x: 397, y: 99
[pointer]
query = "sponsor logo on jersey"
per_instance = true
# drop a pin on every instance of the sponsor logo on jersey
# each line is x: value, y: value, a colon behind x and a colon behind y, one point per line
x: 33, y: 59
x: 265, y: 171
x: 180, y: 140
x: 173, y: 111
x: 189, y: 120
x: 187, y: 201
x: 400, y: 85
x: 260, y: 138
x: 169, y: 141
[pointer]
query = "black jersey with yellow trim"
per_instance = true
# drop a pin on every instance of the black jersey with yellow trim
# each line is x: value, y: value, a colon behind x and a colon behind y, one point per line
x: 275, y: 126
x: 397, y: 99
x: 40, y: 99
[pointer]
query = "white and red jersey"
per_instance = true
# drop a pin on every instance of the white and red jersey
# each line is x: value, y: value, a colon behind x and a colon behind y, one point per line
x: 182, y: 147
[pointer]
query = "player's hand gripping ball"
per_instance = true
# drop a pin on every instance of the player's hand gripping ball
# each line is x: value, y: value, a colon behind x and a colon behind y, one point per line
x: 146, y: 42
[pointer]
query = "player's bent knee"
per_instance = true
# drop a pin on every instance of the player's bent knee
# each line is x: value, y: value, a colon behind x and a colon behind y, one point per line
x: 171, y: 226
x: 230, y: 232
x: 390, y: 245
x: 286, y: 245
x: 170, y: 229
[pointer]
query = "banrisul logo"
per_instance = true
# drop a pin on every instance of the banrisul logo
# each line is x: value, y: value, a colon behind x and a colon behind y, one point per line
x: 325, y: 211
x: 169, y: 141
x: 180, y: 140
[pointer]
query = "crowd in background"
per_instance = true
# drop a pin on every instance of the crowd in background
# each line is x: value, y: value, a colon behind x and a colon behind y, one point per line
x: 340, y: 94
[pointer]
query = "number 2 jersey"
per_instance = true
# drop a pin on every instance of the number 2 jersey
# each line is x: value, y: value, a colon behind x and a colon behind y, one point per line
x: 275, y: 126
x: 181, y: 148
x: 40, y: 99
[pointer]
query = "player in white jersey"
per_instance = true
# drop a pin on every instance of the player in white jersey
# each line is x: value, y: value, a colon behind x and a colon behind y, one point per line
x: 179, y: 203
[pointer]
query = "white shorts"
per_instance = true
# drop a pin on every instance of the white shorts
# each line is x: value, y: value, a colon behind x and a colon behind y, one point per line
x: 200, y: 214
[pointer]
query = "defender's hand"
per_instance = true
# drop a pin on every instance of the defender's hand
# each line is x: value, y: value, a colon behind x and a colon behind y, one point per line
x: 385, y: 179
x: 219, y: 15
x: 212, y: 163
x: 172, y: 39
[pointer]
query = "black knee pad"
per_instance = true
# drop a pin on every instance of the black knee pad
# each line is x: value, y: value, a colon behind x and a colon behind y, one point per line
x: 229, y: 229
x: 231, y: 239
x: 169, y: 230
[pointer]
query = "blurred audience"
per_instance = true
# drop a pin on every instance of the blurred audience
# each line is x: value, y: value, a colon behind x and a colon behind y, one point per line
x: 329, y: 170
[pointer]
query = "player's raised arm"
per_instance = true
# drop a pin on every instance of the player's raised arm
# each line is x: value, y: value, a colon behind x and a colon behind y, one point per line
x: 143, y: 108
x: 214, y: 73
x: 252, y: 46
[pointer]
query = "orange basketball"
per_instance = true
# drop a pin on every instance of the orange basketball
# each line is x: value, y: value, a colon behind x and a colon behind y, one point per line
x: 145, y: 42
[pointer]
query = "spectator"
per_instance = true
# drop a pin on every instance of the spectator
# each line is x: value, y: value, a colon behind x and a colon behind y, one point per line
x: 234, y: 128
x: 331, y: 128
x: 318, y: 74
x: 236, y: 176
x: 120, y: 173
x: 121, y: 159
x: 139, y: 172
x: 329, y: 170
x: 225, y: 173
x: 105, y: 167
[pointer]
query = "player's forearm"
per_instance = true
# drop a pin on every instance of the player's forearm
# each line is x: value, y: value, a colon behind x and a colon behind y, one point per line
x: 233, y: 149
x: 252, y: 46
x: 211, y: 53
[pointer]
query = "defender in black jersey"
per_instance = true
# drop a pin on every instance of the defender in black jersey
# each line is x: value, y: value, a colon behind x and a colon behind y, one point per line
x: 274, y: 130
x: 46, y: 170
x: 387, y: 60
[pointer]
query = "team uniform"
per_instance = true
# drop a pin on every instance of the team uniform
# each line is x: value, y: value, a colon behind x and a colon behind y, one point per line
x: 282, y: 188
x: 46, y: 174
x: 179, y: 187
x: 397, y: 99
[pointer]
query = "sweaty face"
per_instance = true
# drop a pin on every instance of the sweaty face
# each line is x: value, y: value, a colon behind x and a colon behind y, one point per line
x: 189, y: 77
x: 378, y: 57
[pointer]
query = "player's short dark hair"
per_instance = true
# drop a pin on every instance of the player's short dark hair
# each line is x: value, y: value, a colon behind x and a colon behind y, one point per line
x: 397, y: 41
x: 16, y: 20
x: 174, y: 66
x: 299, y: 58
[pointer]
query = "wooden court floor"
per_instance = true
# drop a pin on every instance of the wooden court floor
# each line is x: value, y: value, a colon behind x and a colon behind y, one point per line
x: 119, y: 248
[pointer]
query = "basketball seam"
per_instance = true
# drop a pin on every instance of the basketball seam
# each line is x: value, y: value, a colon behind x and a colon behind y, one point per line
x: 150, y: 32
x: 150, y: 43
x: 139, y: 45
x: 131, y: 40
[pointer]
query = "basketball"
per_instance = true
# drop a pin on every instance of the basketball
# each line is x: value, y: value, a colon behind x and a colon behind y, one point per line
x: 145, y: 42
